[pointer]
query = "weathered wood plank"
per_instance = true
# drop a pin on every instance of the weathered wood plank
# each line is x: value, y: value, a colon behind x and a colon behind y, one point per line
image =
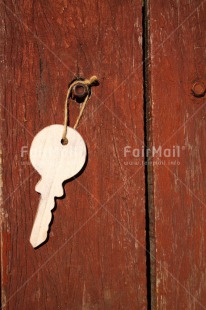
x: 95, y: 259
x: 177, y: 53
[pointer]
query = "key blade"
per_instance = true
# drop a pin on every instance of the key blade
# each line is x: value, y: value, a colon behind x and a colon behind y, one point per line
x: 42, y: 220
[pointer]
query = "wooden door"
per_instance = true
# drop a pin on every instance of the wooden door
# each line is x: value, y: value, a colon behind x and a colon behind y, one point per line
x: 176, y: 105
x: 96, y: 254
x: 130, y: 231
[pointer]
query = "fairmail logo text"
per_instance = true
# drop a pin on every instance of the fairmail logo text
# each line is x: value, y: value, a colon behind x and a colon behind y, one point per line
x: 160, y: 152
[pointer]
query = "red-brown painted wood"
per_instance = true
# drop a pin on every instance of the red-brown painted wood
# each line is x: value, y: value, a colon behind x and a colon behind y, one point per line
x: 95, y: 257
x: 177, y: 54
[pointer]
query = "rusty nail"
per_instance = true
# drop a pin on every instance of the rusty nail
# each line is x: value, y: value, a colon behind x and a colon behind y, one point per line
x: 79, y: 91
x: 198, y: 89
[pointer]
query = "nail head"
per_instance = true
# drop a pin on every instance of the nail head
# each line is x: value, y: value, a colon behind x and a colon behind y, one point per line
x: 198, y: 89
x: 79, y: 91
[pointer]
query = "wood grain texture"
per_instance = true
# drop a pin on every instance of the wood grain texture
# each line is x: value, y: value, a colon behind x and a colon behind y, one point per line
x: 177, y: 52
x: 95, y: 258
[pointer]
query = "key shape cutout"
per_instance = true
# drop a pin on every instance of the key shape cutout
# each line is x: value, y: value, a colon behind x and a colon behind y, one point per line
x: 55, y: 163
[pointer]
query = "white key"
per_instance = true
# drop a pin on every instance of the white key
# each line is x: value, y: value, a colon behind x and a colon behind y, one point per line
x: 55, y: 163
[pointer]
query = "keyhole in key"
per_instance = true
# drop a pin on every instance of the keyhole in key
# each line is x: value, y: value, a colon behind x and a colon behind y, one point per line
x: 64, y: 141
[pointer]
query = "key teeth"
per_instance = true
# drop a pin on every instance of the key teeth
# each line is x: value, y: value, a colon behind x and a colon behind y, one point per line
x: 40, y: 228
x: 60, y: 191
x: 36, y: 242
